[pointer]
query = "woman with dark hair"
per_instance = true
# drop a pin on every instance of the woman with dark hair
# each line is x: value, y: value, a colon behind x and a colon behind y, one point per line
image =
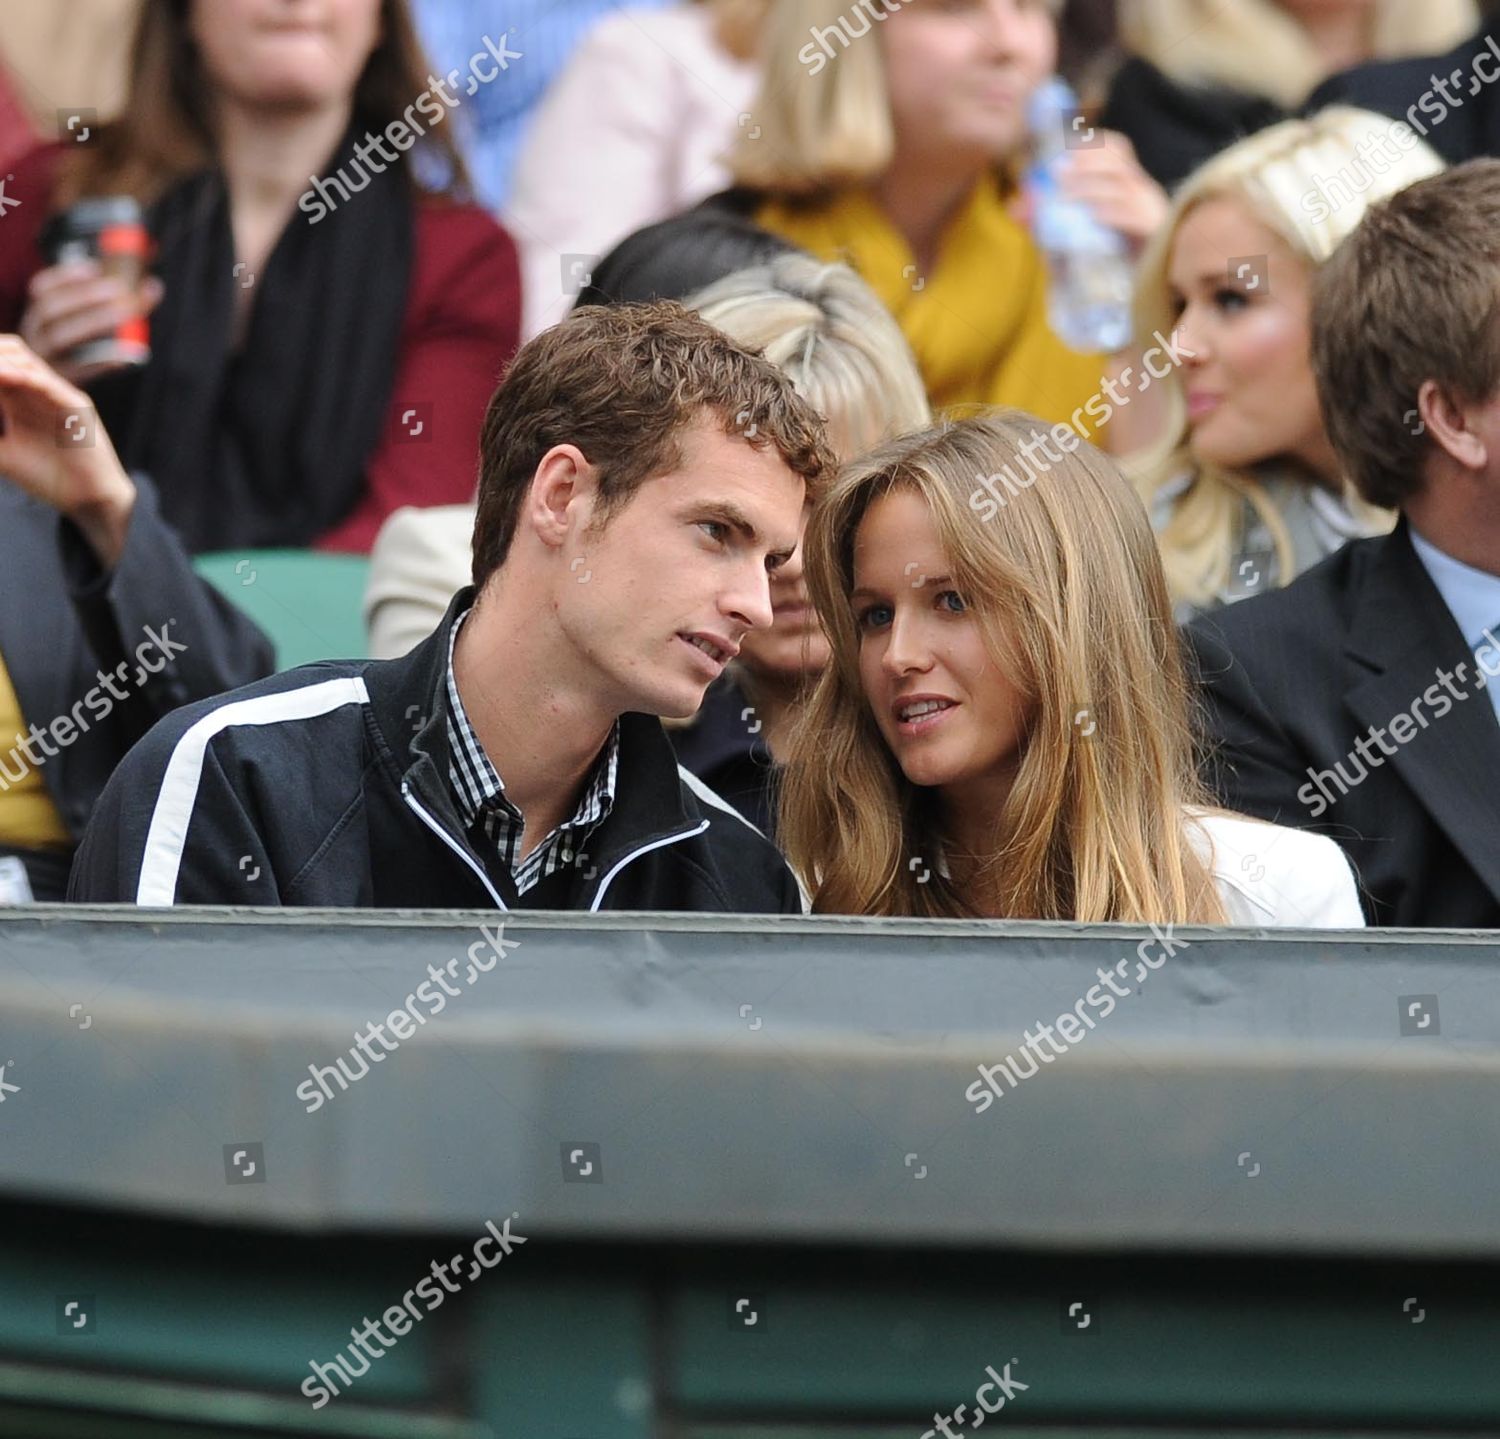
x: 330, y: 313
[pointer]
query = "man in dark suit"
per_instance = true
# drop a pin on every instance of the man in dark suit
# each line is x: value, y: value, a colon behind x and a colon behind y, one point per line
x: 1452, y: 101
x: 1364, y: 699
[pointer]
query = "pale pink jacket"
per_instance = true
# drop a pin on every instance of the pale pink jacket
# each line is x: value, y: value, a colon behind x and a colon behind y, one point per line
x: 634, y: 129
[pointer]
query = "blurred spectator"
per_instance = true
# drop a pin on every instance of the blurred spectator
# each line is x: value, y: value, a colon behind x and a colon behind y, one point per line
x: 1087, y: 48
x: 824, y: 329
x: 625, y: 537
x: 322, y: 349
x: 1362, y: 699
x: 1451, y: 100
x: 893, y: 146
x: 422, y: 556
x: 943, y: 768
x: 57, y: 57
x: 104, y: 627
x: 1245, y: 488
x: 1202, y: 74
x: 493, y: 125
x: 634, y: 130
x: 672, y: 258
x: 17, y: 135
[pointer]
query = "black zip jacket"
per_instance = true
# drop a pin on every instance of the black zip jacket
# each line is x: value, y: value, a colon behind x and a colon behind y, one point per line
x: 723, y: 747
x: 328, y: 785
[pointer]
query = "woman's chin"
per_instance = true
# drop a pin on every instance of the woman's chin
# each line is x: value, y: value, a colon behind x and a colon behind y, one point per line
x: 1221, y: 451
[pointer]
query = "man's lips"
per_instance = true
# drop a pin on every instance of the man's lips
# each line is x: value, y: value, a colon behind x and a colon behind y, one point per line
x: 714, y: 650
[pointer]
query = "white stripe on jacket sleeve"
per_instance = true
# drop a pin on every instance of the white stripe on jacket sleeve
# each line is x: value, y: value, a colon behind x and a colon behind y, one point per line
x: 166, y: 839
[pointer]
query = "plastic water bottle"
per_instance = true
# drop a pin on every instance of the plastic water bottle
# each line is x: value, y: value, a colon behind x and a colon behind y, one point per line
x: 1088, y: 264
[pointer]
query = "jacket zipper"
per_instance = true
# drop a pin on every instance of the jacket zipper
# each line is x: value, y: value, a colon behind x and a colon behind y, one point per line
x: 447, y: 839
x: 636, y: 854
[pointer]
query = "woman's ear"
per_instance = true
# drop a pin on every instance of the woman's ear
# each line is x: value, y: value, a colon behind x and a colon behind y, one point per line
x: 1450, y: 423
x: 561, y: 496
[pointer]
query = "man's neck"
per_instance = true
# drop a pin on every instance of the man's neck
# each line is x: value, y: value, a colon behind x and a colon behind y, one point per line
x: 1460, y: 517
x: 542, y: 733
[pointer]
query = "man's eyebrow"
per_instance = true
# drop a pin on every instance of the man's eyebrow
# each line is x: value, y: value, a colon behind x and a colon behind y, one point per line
x: 729, y: 513
x: 726, y: 512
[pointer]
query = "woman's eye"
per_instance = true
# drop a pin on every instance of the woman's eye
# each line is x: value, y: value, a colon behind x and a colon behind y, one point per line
x: 952, y: 601
x: 1231, y: 300
x: 874, y: 615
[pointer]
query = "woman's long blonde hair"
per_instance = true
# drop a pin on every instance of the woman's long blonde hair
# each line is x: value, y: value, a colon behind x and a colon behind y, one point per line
x: 1285, y: 176
x: 1258, y: 46
x: 1066, y: 583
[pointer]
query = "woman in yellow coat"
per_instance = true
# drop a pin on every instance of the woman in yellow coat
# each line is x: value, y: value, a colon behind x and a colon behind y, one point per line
x: 890, y: 135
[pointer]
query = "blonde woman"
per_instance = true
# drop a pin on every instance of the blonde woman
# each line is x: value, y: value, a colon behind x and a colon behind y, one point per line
x: 1244, y: 487
x: 1202, y: 74
x: 891, y: 135
x: 1003, y: 727
x: 634, y: 129
x: 843, y: 352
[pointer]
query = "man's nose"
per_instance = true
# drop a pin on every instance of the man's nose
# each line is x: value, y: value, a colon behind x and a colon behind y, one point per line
x: 749, y: 601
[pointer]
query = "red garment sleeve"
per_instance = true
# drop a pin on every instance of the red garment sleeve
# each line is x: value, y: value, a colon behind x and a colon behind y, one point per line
x: 463, y: 320
x: 28, y: 202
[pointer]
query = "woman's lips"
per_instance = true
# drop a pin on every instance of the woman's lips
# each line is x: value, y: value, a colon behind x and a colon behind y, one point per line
x: 1201, y: 404
x: 924, y: 724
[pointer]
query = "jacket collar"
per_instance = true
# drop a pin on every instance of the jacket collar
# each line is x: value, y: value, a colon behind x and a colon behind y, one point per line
x: 1402, y: 634
x: 409, y: 706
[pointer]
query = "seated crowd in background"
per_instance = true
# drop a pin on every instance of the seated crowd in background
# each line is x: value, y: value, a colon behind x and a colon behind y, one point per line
x: 285, y: 389
x: 628, y: 687
x: 1195, y: 76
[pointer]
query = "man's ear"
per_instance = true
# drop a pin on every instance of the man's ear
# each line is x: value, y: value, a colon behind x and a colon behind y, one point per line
x: 1450, y: 423
x: 561, y: 496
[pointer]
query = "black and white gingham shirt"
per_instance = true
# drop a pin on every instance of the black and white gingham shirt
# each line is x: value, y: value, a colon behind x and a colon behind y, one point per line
x: 480, y: 795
